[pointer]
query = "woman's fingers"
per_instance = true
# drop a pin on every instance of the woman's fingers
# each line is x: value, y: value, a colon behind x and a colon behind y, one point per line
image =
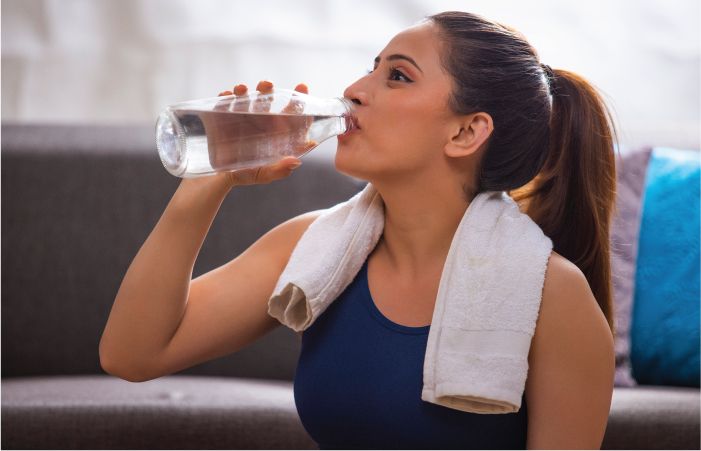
x: 222, y: 105
x: 301, y: 124
x: 242, y: 101
x: 238, y: 104
x: 308, y: 121
x: 265, y: 174
x: 295, y: 106
x: 261, y: 104
x: 278, y: 170
x: 263, y: 101
x: 264, y: 87
x: 305, y: 146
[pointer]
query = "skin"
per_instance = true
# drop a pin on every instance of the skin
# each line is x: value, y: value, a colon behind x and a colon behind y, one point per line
x: 414, y: 151
x: 419, y: 155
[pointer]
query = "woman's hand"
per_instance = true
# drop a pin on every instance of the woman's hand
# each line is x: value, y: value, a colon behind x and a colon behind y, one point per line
x: 222, y: 149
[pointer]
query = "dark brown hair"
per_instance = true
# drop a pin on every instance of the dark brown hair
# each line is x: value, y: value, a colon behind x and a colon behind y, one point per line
x: 552, y: 147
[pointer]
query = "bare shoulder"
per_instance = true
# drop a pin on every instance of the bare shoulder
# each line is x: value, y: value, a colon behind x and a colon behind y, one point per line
x: 571, y: 364
x: 567, y: 297
x: 560, y: 268
x: 566, y: 291
x: 295, y: 227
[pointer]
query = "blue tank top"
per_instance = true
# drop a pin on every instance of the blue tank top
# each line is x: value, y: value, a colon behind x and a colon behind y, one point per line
x: 359, y: 379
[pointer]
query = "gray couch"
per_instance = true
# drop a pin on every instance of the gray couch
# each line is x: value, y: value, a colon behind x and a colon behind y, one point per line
x: 77, y: 203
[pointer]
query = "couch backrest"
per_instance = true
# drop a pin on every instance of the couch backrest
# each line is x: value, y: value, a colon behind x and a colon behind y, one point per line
x: 77, y: 204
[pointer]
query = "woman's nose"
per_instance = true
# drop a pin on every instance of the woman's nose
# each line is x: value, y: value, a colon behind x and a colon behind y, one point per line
x: 355, y: 94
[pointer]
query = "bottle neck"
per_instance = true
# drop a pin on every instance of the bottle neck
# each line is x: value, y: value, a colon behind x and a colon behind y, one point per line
x: 347, y: 112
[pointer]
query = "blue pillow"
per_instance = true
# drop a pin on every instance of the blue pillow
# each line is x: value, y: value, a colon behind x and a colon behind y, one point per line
x: 665, y: 321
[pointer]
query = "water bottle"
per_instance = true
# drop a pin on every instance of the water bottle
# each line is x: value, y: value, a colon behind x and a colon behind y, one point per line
x: 206, y: 136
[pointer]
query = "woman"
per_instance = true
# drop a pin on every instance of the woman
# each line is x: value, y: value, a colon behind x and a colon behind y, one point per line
x: 454, y: 106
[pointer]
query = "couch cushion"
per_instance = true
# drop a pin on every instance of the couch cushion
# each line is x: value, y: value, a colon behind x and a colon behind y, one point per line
x: 191, y: 412
x: 665, y: 328
x: 652, y: 417
x: 630, y: 175
x: 174, y: 412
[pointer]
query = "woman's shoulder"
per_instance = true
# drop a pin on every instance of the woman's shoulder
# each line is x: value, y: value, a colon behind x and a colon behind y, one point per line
x: 568, y: 308
x: 565, y: 285
x: 295, y: 227
x: 571, y: 362
x: 560, y: 268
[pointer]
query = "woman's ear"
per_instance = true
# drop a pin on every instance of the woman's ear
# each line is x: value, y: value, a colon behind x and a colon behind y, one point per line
x: 470, y: 133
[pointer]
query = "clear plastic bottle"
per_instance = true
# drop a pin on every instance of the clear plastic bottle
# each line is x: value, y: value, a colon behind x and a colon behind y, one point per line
x: 206, y: 136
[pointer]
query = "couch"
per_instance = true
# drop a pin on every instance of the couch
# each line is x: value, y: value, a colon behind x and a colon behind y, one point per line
x: 77, y: 203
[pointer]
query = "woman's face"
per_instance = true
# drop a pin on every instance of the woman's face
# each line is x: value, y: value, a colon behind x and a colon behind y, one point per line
x: 402, y: 111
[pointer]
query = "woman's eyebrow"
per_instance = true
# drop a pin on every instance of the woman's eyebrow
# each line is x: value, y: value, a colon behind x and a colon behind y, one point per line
x: 397, y: 56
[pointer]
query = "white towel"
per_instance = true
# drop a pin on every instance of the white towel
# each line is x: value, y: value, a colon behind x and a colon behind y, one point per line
x: 487, y: 304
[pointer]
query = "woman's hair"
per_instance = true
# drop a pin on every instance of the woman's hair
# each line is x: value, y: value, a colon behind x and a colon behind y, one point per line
x: 552, y: 147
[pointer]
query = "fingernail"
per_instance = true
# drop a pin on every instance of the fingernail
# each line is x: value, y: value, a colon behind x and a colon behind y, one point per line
x: 264, y: 86
x: 296, y: 165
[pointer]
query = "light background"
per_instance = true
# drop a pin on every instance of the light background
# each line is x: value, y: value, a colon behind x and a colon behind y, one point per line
x: 122, y: 61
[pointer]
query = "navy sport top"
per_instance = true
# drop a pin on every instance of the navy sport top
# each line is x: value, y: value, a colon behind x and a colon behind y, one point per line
x: 359, y: 379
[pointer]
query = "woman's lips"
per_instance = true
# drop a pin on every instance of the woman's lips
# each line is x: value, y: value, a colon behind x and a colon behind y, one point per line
x: 347, y: 133
x: 355, y: 127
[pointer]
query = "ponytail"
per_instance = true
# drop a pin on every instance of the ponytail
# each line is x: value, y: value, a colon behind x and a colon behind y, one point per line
x: 573, y: 197
x: 551, y: 148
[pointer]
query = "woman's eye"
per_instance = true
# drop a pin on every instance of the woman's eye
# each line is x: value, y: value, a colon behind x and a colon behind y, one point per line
x: 396, y: 73
x: 393, y: 73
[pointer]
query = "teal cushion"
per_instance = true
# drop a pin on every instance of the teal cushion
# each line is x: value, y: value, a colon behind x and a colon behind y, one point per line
x: 665, y: 323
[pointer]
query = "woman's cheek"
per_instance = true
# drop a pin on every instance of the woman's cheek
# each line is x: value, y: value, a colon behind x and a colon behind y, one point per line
x: 403, y: 150
x: 400, y: 128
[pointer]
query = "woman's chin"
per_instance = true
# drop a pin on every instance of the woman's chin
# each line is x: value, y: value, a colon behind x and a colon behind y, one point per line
x: 344, y: 144
x: 346, y: 164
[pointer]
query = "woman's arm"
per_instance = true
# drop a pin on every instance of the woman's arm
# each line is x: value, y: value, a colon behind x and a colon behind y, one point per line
x: 152, y: 296
x: 571, y: 364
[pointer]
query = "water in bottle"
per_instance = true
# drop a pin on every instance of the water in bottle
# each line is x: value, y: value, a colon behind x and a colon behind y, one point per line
x: 207, y: 136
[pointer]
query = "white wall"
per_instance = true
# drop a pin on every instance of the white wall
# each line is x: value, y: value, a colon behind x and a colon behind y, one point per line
x: 105, y: 61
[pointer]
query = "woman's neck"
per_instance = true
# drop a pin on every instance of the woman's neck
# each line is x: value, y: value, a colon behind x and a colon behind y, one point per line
x: 419, y: 227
